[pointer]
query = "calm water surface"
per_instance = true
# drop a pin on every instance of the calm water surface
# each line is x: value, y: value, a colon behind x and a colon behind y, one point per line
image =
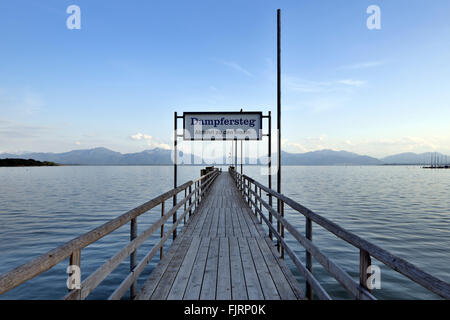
x: 405, y: 210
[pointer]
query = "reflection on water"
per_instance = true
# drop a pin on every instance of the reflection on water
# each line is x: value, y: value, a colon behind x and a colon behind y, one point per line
x: 405, y: 210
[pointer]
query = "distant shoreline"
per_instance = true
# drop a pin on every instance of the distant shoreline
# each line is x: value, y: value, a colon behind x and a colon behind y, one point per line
x: 26, y: 163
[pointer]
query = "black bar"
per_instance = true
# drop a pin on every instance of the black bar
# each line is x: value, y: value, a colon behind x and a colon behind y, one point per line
x: 175, y: 170
x: 269, y: 176
x: 279, y: 115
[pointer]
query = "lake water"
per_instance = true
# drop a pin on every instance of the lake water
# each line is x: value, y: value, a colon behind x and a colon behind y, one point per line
x: 405, y: 210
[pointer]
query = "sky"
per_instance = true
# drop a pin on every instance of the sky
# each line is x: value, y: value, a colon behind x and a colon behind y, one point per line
x: 117, y: 81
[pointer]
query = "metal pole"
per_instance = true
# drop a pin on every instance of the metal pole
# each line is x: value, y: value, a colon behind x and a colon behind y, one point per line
x: 190, y: 201
x: 269, y: 176
x: 279, y: 112
x: 279, y: 98
x: 175, y: 138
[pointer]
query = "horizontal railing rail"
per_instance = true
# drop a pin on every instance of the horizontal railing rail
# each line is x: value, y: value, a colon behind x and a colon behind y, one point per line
x: 192, y: 199
x: 367, y: 250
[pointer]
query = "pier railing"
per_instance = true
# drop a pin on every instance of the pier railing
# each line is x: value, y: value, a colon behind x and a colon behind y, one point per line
x: 251, y: 191
x: 194, y: 192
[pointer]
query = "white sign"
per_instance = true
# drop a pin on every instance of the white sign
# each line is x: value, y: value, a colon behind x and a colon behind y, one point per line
x: 222, y: 125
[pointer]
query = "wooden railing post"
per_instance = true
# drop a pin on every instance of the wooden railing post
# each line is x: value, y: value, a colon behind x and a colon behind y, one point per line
x: 249, y: 193
x: 249, y: 186
x: 256, y: 201
x: 185, y: 195
x: 196, y: 195
x: 174, y: 219
x: 133, y: 256
x: 75, y: 271
x: 364, y: 263
x: 270, y: 217
x: 308, y: 233
x: 260, y: 206
x: 278, y: 224
x: 190, y: 201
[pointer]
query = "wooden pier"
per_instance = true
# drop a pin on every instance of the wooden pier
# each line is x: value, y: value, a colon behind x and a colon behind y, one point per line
x: 222, y: 251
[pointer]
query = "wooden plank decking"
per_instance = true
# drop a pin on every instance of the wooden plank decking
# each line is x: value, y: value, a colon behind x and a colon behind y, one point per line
x: 222, y: 254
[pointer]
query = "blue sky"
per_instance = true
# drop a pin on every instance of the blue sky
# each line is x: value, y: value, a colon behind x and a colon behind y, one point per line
x: 116, y: 82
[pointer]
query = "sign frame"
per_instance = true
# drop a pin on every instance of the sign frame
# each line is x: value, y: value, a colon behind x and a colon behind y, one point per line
x: 258, y: 113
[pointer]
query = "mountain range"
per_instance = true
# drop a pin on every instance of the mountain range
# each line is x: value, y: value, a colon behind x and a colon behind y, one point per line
x: 157, y: 156
x: 100, y: 156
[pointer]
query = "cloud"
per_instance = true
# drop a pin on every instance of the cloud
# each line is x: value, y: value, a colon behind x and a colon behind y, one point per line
x: 362, y: 65
x: 305, y: 86
x: 140, y: 136
x: 236, y: 66
x: 308, y: 86
x: 159, y: 145
x: 293, y: 146
x: 353, y: 83
x: 307, y: 144
x: 150, y: 141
